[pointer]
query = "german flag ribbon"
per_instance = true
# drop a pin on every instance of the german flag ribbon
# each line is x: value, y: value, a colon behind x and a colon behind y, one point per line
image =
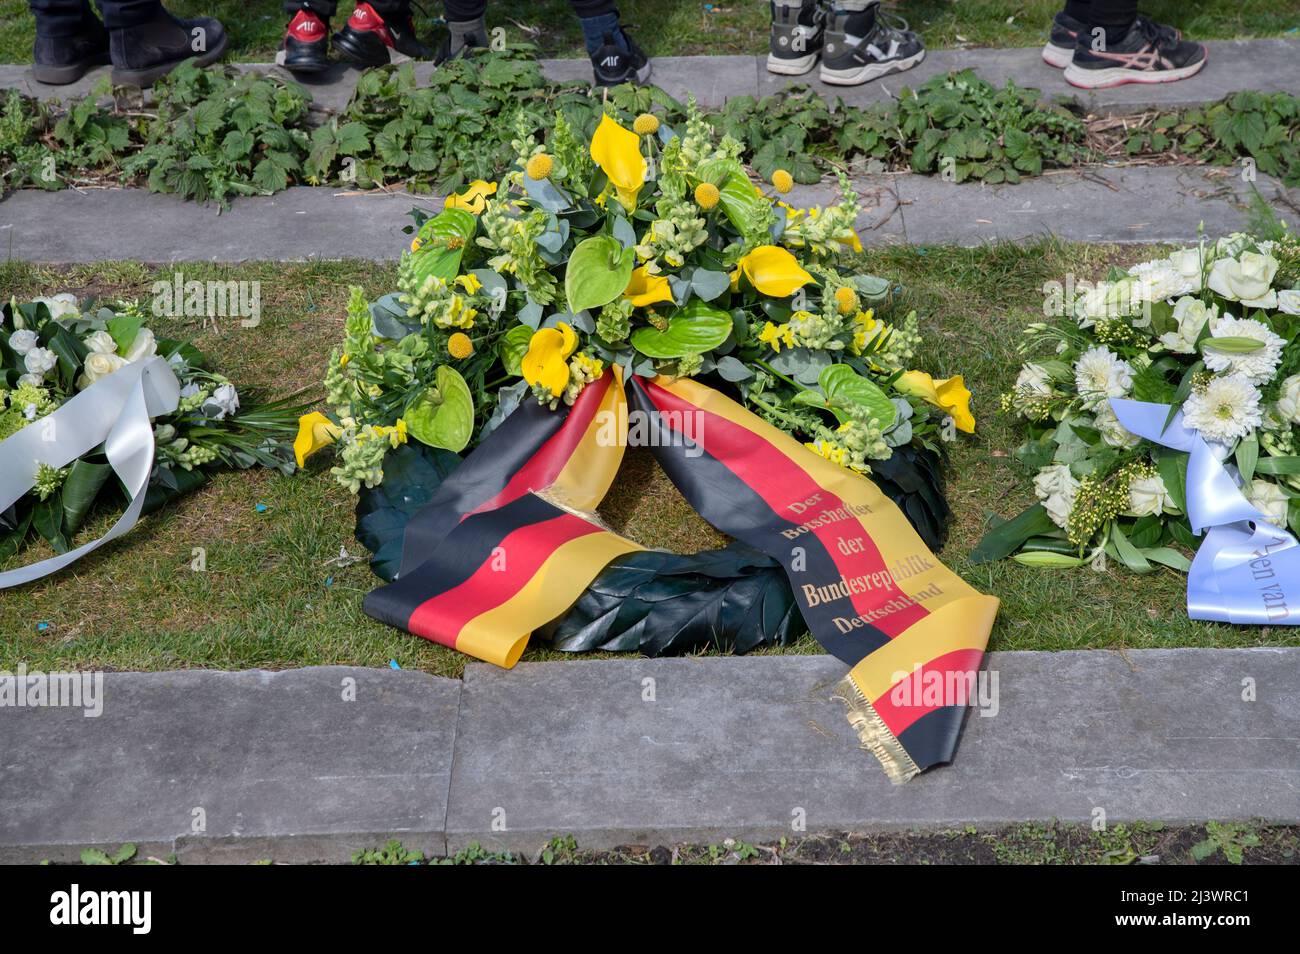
x: 507, y: 544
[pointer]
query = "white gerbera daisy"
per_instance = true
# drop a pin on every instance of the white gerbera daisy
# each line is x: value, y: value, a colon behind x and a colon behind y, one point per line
x: 1100, y: 374
x: 1259, y: 365
x: 1226, y: 409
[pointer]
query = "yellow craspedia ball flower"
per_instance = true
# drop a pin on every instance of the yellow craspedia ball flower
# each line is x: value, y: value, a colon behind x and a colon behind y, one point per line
x: 539, y: 167
x: 846, y: 300
x: 783, y: 181
x: 647, y: 124
x: 460, y: 346
x: 706, y: 195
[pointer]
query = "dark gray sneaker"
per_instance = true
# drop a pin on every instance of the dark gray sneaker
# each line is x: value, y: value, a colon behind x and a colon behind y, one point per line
x: 797, y: 35
x: 850, y: 61
x: 1059, y: 50
x: 1149, y: 53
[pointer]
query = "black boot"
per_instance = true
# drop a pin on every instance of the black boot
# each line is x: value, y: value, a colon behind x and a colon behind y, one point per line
x: 59, y: 60
x: 145, y: 53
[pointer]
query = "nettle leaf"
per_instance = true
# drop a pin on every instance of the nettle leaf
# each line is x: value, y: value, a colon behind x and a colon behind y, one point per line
x: 597, y: 273
x: 695, y: 329
x: 443, y: 416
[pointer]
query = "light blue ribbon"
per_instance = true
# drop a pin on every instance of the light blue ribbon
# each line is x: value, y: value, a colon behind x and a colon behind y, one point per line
x: 1247, y: 570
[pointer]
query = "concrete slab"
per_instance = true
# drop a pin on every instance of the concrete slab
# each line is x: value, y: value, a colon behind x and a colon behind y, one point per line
x: 659, y: 751
x: 275, y: 764
x: 298, y: 224
x: 1100, y: 204
x: 1266, y: 65
x: 1233, y: 65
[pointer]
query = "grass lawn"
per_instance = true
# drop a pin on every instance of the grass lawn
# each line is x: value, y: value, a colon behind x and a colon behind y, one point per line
x: 271, y: 598
x: 679, y: 27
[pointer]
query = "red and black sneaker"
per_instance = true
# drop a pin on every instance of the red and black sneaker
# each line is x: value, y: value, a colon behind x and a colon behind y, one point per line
x: 306, y: 43
x: 367, y: 39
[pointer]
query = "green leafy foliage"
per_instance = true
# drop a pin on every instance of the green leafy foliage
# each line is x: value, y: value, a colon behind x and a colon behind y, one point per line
x: 218, y: 133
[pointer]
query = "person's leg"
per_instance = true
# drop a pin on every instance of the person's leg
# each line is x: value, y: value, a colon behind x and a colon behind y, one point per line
x: 376, y: 30
x: 307, y: 37
x: 1119, y: 46
x: 798, y: 31
x: 146, y: 42
x: 861, y: 46
x: 1066, y: 27
x: 466, y: 27
x: 69, y: 40
x: 615, y: 56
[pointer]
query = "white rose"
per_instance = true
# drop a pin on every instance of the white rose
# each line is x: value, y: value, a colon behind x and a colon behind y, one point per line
x: 1288, y: 401
x: 1191, y: 315
x: 1288, y: 301
x: 1055, y: 486
x: 1247, y: 279
x: 1270, y: 499
x: 1147, y: 496
x: 1112, y: 431
x: 97, y: 366
x: 23, y: 341
x: 225, y: 399
x: 101, y: 342
x: 1189, y: 263
x: 144, y: 346
x: 60, y: 305
x: 35, y: 380
x: 40, y: 361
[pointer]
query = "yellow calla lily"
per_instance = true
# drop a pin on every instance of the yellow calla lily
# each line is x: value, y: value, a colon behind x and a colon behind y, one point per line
x: 950, y: 394
x: 646, y: 289
x: 773, y: 271
x: 315, y: 431
x: 618, y: 153
x: 547, y: 360
x: 473, y: 199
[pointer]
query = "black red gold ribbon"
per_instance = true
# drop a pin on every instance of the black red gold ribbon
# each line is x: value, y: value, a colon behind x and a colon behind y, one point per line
x: 505, y: 546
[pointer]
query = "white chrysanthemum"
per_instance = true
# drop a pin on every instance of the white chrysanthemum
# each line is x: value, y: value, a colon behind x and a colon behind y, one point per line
x: 1226, y: 409
x: 1112, y: 431
x: 1270, y: 499
x: 1160, y: 279
x: 1148, y: 496
x: 1056, y: 487
x: 1259, y: 365
x: 1100, y: 374
x: 1191, y: 315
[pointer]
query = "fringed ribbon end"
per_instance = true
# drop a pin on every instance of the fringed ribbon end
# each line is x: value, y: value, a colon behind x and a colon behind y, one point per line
x: 873, y: 734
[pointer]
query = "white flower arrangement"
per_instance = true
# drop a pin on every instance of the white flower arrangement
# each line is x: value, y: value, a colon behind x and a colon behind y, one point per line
x: 1213, y: 331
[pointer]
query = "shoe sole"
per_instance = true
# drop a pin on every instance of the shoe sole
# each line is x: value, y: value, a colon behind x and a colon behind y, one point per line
x: 63, y: 75
x: 310, y: 67
x: 791, y: 66
x: 865, y: 74
x: 147, y: 77
x: 1118, y: 76
x: 1056, y: 56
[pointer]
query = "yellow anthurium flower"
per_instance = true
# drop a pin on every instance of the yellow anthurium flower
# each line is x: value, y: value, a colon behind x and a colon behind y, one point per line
x: 547, y: 360
x: 950, y: 394
x: 646, y: 289
x: 618, y: 153
x: 315, y: 431
x: 773, y: 271
x: 473, y: 199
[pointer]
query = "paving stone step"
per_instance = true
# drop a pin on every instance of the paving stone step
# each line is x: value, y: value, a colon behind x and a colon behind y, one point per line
x: 284, y: 765
x: 1097, y: 204
x: 1234, y: 65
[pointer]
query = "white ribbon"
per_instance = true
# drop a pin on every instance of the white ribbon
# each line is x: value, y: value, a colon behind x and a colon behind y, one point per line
x: 116, y: 411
